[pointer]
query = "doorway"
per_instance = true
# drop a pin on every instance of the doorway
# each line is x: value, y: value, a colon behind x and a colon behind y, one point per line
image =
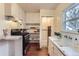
x: 46, y: 30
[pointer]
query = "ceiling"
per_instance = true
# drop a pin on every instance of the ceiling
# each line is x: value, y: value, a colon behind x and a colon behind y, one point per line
x: 35, y: 7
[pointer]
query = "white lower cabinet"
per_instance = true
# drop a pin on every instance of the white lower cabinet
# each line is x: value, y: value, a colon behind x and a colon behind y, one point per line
x: 11, y: 47
x: 50, y: 49
x: 57, y: 52
x: 53, y: 50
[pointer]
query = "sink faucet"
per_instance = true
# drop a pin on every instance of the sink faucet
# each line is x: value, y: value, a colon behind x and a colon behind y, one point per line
x: 65, y: 36
x: 70, y: 37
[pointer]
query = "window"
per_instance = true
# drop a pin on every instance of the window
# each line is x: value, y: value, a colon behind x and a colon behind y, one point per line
x: 71, y: 18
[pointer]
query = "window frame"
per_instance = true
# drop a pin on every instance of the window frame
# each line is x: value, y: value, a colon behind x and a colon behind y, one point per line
x: 72, y: 6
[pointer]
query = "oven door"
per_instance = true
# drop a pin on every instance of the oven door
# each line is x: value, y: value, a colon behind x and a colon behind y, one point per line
x: 16, y: 31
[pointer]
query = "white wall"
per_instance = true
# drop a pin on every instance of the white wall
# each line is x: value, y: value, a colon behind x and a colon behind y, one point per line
x: 46, y: 12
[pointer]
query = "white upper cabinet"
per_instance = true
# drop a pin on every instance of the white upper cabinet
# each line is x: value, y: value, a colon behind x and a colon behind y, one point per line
x: 7, y: 7
x: 14, y: 10
x: 32, y: 17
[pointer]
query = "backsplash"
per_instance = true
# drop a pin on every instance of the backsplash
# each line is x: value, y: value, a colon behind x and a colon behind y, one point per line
x: 71, y: 38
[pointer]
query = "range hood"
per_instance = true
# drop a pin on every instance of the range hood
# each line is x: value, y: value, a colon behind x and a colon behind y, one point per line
x: 9, y: 17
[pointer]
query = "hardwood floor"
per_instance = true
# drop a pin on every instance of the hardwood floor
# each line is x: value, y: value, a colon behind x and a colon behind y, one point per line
x: 34, y: 50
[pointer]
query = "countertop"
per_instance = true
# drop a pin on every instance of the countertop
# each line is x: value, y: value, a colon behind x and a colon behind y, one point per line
x: 10, y: 37
x: 66, y: 50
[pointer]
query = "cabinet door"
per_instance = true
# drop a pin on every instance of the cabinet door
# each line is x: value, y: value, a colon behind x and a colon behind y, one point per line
x: 7, y: 7
x: 50, y: 48
x: 57, y: 52
x: 53, y: 50
x: 44, y: 39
